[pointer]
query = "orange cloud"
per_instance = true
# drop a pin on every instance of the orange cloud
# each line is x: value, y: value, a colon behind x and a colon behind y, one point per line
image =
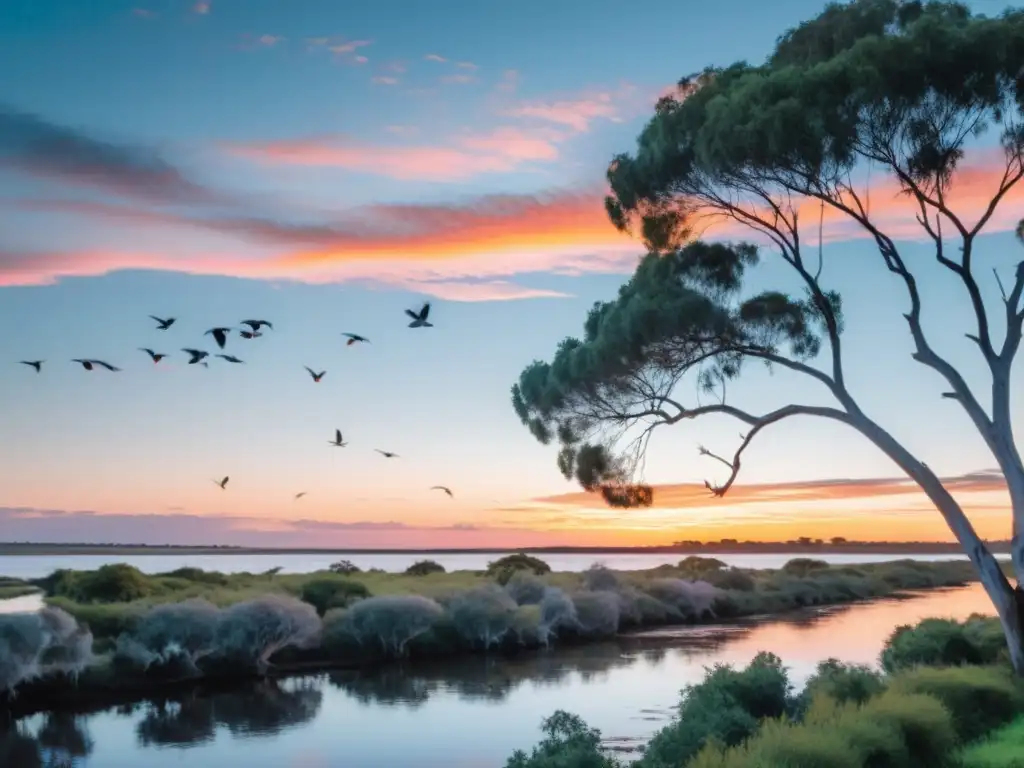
x: 501, y: 150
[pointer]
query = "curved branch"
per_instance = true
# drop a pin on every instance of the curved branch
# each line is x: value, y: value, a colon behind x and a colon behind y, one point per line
x: 757, y: 423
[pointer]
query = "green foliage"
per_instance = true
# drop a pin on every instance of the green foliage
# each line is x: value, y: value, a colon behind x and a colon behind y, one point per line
x: 424, y: 568
x: 731, y: 578
x: 696, y: 567
x: 324, y: 594
x: 802, y: 566
x: 114, y: 583
x: 890, y: 731
x: 197, y: 575
x: 944, y: 642
x: 842, y: 683
x: 344, y: 568
x: 1002, y: 749
x: 567, y: 743
x: 725, y: 708
x: 979, y: 698
x: 504, y: 568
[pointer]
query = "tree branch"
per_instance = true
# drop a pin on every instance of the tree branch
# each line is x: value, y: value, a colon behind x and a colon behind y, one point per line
x: 757, y: 423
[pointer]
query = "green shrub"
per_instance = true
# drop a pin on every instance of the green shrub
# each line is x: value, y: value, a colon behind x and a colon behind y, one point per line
x: 196, y: 575
x: 853, y: 683
x: 344, y: 567
x: 804, y: 566
x: 504, y: 568
x: 731, y: 578
x: 1003, y: 748
x: 980, y: 699
x: 424, y: 568
x: 568, y: 743
x: 725, y: 708
x: 890, y: 731
x: 944, y: 642
x: 696, y: 567
x: 114, y: 583
x: 324, y: 594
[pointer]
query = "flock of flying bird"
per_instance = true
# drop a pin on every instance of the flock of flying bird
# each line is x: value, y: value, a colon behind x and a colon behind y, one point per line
x: 253, y: 331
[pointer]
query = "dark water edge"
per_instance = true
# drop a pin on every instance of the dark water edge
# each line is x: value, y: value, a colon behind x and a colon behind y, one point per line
x: 464, y: 712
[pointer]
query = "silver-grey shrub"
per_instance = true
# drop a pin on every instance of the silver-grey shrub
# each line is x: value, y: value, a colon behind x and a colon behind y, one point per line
x: 526, y: 588
x: 482, y: 615
x: 557, y: 611
x: 597, y: 613
x: 255, y: 630
x: 389, y: 621
x: 36, y: 644
x: 690, y: 599
x: 185, y: 631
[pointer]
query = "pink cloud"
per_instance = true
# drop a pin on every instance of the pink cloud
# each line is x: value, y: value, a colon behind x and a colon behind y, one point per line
x: 576, y: 113
x: 434, y: 57
x: 384, y: 80
x: 360, y: 59
x: 492, y: 290
x: 202, y: 7
x: 467, y: 65
x: 269, y: 40
x: 501, y: 150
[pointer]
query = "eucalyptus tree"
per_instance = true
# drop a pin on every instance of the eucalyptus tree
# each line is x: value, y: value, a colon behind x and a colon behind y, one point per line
x: 871, y: 90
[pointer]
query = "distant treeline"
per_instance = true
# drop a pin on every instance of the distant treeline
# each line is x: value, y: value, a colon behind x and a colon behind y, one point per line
x: 834, y: 545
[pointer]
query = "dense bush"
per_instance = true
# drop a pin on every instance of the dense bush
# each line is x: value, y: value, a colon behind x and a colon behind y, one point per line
x: 843, y: 683
x: 696, y: 567
x: 804, y: 566
x: 732, y: 579
x: 568, y: 743
x: 891, y: 731
x: 599, y: 578
x: 525, y: 588
x: 724, y: 708
x: 174, y: 633
x: 386, y: 623
x: 344, y: 568
x: 36, y: 644
x: 482, y: 616
x: 1002, y: 749
x: 503, y: 568
x: 944, y: 642
x: 557, y: 612
x: 253, y: 631
x: 114, y: 583
x: 979, y: 698
x: 424, y: 568
x: 327, y: 593
x: 687, y: 599
x: 597, y: 613
x: 197, y: 575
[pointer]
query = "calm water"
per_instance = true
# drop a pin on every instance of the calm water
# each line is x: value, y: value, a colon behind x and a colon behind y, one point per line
x: 32, y: 567
x: 467, y: 714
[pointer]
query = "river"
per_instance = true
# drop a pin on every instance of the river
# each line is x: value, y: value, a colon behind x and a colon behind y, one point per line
x: 37, y: 566
x: 466, y: 713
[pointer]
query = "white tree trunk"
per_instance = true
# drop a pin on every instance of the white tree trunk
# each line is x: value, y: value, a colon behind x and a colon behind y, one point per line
x: 1008, y: 600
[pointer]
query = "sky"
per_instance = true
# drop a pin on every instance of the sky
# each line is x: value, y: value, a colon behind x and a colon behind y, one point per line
x: 327, y: 166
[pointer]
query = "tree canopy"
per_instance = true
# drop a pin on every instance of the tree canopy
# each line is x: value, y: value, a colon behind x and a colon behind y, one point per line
x: 904, y: 87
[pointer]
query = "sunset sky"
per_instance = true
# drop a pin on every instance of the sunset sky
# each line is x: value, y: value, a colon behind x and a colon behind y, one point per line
x: 327, y: 165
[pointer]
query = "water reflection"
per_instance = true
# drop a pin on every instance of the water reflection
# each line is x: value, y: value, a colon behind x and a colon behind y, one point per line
x: 464, y: 713
x: 259, y: 709
x: 57, y: 740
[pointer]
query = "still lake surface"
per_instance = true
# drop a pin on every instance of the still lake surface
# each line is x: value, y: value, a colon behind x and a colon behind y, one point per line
x: 466, y: 713
x: 37, y: 566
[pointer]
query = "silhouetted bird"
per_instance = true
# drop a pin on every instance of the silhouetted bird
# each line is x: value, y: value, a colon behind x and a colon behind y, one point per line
x: 89, y: 364
x: 257, y: 324
x: 419, y: 320
x: 337, y: 441
x: 37, y: 364
x: 299, y: 495
x: 161, y: 324
x: 230, y: 358
x: 222, y: 483
x: 197, y: 355
x: 353, y: 338
x: 316, y: 376
x: 157, y: 357
x: 220, y: 335
x: 386, y: 454
x: 444, y: 488
x: 250, y: 334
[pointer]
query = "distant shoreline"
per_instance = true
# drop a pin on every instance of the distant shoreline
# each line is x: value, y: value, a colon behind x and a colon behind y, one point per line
x: 713, y: 548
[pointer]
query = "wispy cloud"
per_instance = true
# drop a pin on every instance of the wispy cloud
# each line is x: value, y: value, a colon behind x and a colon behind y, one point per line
x: 467, y: 65
x: 685, y: 495
x: 458, y: 79
x: 577, y: 113
x: 384, y: 80
x: 32, y: 144
x: 435, y: 58
x: 202, y: 7
x: 501, y: 150
x: 144, y: 13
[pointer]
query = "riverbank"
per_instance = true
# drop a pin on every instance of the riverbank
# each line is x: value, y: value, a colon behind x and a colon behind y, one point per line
x: 192, y: 625
x: 945, y: 696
